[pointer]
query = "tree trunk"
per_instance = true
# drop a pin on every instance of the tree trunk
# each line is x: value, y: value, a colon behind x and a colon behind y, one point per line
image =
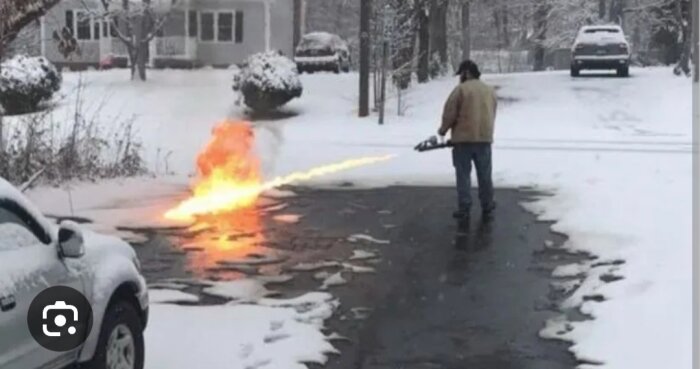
x: 423, y: 42
x: 601, y: 9
x: 466, y: 32
x: 696, y: 40
x: 616, y: 11
x: 365, y: 14
x: 438, y: 31
x: 505, y: 32
x: 540, y: 20
x: 404, y: 44
x: 683, y: 19
x: 298, y: 21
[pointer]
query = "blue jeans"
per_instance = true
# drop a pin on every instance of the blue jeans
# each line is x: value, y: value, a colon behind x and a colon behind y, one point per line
x: 462, y: 156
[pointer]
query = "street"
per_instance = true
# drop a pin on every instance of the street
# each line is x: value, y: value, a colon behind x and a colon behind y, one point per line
x: 442, y: 296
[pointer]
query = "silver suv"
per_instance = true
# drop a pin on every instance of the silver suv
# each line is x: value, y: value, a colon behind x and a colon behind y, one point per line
x: 36, y: 255
x: 600, y: 47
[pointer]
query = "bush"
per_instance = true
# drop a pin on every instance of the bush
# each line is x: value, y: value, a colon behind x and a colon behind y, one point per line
x: 26, y: 82
x: 267, y: 81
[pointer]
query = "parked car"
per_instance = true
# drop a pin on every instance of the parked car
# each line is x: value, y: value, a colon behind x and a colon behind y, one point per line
x: 600, y: 47
x: 322, y: 51
x: 35, y: 255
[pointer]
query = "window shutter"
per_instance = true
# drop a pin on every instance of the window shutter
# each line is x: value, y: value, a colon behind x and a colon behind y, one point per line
x: 239, y: 26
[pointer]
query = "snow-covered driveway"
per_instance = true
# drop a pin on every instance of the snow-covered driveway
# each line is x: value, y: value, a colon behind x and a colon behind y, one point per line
x: 614, y: 153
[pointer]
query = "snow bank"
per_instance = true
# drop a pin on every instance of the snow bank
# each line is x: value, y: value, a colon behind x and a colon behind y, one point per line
x: 270, y: 333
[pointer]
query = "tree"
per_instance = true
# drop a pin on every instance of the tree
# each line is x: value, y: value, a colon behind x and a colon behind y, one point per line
x: 540, y: 32
x: 423, y: 21
x: 365, y: 43
x: 136, y: 23
x: 438, y: 31
x: 14, y: 16
x: 466, y: 34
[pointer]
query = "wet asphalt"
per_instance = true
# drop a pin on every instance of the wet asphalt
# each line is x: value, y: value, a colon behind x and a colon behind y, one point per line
x: 443, y: 295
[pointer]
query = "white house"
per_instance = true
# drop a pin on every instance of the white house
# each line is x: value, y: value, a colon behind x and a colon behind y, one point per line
x: 196, y: 33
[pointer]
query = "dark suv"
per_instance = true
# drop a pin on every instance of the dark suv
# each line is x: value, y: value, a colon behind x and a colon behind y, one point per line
x: 600, y: 47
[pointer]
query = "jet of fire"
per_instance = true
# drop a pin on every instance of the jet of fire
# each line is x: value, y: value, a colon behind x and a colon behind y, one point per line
x: 230, y: 175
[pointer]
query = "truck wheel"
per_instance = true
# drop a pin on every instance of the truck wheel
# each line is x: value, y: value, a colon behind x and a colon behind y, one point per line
x: 574, y: 72
x: 120, y: 345
x: 623, y: 72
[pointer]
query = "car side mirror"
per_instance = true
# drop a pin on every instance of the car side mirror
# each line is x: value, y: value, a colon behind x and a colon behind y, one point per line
x: 70, y: 240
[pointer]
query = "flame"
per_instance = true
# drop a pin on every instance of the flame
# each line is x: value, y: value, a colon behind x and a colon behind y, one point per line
x: 230, y: 174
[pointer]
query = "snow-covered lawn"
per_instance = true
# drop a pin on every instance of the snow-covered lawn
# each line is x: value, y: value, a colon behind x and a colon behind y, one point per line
x: 614, y: 153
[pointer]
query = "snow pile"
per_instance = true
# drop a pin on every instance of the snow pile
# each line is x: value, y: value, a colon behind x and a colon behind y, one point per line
x: 321, y: 43
x: 267, y: 81
x: 25, y: 82
x: 270, y: 333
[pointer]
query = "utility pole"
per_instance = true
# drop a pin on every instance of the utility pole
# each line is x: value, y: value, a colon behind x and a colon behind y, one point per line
x: 365, y: 14
x: 466, y: 31
x: 696, y: 42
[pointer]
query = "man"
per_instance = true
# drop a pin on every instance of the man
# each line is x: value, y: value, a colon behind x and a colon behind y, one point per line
x: 469, y: 115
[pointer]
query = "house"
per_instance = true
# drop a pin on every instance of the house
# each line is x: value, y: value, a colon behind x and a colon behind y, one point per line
x: 196, y: 33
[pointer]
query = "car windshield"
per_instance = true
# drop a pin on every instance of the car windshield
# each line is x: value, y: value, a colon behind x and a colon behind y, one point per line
x: 602, y: 30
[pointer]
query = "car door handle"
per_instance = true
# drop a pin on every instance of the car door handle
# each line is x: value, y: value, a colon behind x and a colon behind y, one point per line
x: 7, y: 303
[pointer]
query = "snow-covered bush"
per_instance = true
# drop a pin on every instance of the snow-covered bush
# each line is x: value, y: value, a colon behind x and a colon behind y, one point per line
x: 267, y: 81
x: 26, y: 82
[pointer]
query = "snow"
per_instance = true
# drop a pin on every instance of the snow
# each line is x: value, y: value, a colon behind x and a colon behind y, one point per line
x: 161, y: 296
x: 320, y: 41
x: 242, y: 290
x: 269, y: 333
x: 268, y: 71
x: 614, y: 154
x: 367, y: 238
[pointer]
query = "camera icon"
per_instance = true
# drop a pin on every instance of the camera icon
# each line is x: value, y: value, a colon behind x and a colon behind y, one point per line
x: 60, y: 320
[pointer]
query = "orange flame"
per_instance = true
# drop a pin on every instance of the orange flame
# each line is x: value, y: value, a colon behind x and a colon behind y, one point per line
x: 230, y: 174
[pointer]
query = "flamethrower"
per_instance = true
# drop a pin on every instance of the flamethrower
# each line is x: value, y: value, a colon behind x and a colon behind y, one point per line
x: 433, y: 143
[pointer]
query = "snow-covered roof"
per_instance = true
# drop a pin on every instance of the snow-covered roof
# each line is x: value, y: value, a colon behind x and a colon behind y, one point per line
x: 601, y: 34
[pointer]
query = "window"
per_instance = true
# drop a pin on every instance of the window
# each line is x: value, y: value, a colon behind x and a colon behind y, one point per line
x: 18, y: 228
x: 114, y: 28
x: 239, y: 27
x: 207, y: 24
x: 96, y: 30
x: 225, y: 27
x: 193, y: 24
x: 105, y: 29
x: 70, y: 21
x: 82, y: 31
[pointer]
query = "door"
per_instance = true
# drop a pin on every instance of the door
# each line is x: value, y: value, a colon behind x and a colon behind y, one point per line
x: 29, y: 263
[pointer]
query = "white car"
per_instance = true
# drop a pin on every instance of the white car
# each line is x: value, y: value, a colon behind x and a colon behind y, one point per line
x: 36, y: 255
x: 322, y: 51
x: 600, y: 47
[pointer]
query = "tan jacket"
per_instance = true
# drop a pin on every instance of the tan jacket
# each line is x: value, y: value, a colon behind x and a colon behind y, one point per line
x: 470, y: 112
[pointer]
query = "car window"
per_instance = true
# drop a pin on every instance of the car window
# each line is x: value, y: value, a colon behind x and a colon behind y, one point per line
x: 14, y: 233
x: 602, y: 30
x: 17, y: 223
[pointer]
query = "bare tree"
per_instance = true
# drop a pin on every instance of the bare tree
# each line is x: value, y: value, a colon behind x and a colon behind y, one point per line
x: 136, y: 23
